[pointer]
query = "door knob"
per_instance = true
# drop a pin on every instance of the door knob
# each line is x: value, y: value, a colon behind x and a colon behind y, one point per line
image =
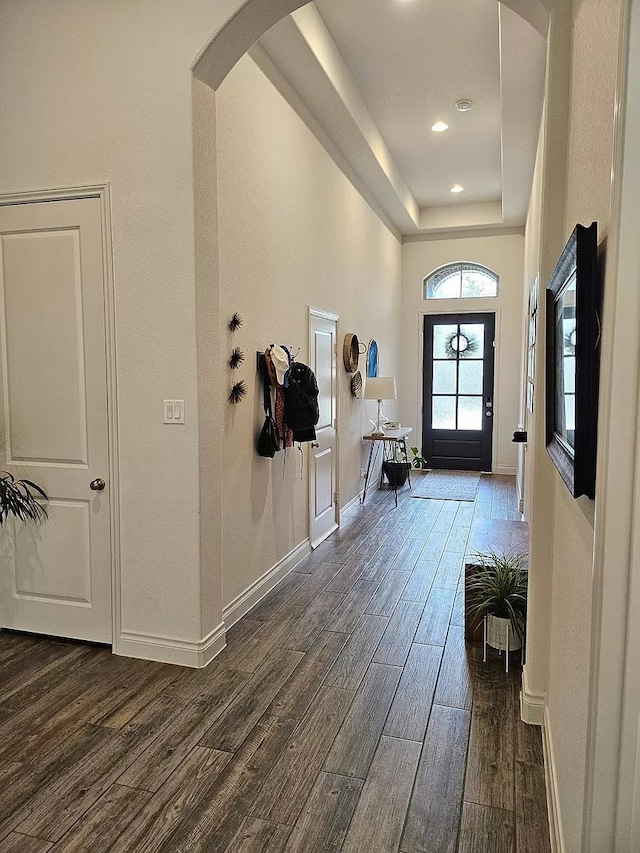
x: 315, y: 444
x: 97, y: 485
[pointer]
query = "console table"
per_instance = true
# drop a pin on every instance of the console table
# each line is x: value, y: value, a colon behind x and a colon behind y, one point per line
x: 389, y: 441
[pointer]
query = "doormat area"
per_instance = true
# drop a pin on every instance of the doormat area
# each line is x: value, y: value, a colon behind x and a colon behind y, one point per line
x: 448, y: 486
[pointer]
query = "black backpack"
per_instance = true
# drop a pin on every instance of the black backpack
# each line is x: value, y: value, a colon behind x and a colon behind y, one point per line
x: 302, y: 412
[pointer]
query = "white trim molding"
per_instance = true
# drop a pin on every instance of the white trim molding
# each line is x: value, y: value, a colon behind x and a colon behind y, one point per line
x: 327, y: 533
x: 175, y: 650
x: 511, y: 470
x: 532, y: 704
x: 198, y: 654
x: 254, y: 593
x: 355, y: 500
x: 551, y: 782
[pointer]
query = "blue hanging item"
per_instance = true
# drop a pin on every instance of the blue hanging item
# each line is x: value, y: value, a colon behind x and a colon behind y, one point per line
x: 372, y: 358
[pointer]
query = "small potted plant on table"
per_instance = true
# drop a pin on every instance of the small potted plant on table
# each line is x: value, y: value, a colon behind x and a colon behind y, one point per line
x: 496, y: 591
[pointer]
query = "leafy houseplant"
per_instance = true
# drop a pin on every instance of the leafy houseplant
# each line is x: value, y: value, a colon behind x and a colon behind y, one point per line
x: 418, y: 461
x: 19, y: 498
x: 497, y: 588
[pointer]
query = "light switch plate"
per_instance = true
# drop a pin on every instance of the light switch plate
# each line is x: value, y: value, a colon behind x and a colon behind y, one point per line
x: 173, y: 411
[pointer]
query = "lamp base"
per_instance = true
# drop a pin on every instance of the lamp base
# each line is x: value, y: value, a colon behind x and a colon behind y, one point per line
x: 378, y: 431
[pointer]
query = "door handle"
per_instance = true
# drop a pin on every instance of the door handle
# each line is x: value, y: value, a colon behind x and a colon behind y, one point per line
x: 97, y: 485
x: 315, y: 444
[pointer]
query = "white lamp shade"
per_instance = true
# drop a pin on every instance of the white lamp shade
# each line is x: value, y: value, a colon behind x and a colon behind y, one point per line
x: 380, y: 388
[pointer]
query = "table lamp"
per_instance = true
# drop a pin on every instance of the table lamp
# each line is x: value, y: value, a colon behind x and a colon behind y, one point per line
x: 380, y: 388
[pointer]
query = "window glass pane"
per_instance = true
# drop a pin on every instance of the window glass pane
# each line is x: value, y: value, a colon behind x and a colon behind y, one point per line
x: 477, y: 283
x: 469, y: 412
x: 456, y: 281
x: 470, y: 377
x: 474, y: 335
x: 441, y: 336
x: 444, y: 377
x: 446, y: 288
x: 443, y: 413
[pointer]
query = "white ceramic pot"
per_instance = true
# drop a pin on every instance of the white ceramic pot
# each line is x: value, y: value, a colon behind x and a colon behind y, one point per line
x: 500, y: 634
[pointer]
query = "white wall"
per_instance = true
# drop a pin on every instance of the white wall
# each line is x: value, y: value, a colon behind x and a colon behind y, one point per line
x: 96, y: 92
x: 559, y: 650
x: 537, y: 477
x: 293, y: 233
x: 504, y: 255
x: 590, y: 156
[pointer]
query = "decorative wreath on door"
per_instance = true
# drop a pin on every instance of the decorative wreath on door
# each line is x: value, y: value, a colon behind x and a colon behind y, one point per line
x: 461, y: 345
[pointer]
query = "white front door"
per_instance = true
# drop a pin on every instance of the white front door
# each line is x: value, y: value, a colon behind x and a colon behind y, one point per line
x: 323, y: 474
x: 55, y: 578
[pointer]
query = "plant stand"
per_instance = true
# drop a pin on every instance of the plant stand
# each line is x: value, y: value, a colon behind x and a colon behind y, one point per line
x: 390, y: 441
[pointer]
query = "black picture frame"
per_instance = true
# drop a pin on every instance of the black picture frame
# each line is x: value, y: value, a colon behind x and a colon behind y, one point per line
x: 573, y: 328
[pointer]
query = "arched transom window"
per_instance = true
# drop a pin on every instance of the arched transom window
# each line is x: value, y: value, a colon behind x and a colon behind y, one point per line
x: 461, y: 281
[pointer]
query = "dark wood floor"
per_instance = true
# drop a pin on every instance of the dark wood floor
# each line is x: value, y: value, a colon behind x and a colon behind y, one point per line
x: 344, y: 715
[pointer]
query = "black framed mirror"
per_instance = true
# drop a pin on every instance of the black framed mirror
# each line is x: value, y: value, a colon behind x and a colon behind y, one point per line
x: 573, y: 361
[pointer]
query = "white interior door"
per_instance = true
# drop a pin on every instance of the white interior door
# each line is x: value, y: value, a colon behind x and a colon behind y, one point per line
x: 55, y: 578
x: 323, y: 475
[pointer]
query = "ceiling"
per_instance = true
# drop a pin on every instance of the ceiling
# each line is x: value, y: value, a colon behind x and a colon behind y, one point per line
x: 412, y: 60
x: 376, y: 74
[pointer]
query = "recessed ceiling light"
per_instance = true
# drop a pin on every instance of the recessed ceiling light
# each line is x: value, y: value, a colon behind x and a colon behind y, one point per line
x: 463, y: 106
x: 456, y: 188
x: 440, y: 126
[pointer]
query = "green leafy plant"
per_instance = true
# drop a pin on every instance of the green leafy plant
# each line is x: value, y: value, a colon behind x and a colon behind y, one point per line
x: 21, y: 499
x: 418, y: 461
x: 497, y: 586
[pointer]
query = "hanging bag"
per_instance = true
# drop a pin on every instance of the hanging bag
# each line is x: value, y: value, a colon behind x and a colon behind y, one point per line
x: 268, y: 441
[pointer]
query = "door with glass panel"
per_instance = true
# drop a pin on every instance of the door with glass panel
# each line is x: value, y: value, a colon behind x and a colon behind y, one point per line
x: 457, y: 408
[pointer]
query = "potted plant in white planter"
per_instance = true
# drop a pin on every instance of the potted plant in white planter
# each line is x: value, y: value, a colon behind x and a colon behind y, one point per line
x: 418, y: 461
x: 497, y: 589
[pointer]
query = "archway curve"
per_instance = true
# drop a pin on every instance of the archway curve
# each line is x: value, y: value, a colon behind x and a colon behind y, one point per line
x: 255, y: 17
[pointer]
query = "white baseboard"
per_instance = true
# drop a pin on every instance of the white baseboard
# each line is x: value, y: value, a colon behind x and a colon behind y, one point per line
x: 551, y: 780
x: 133, y: 644
x: 531, y: 704
x: 353, y: 502
x: 507, y: 469
x: 325, y: 535
x: 243, y: 603
x: 198, y: 654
